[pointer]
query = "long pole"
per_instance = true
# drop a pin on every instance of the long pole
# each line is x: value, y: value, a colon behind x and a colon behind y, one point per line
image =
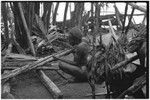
x: 26, y: 28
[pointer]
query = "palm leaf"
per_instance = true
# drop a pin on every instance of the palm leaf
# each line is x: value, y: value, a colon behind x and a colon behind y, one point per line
x: 40, y: 24
x: 36, y: 30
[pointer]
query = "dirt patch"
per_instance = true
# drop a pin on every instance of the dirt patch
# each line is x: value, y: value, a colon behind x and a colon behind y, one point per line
x: 28, y: 86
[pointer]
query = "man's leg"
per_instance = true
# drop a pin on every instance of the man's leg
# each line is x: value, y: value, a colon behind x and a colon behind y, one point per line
x: 75, y: 71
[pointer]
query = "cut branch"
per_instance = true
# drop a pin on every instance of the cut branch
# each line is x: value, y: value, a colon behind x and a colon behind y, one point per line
x: 138, y: 7
x: 53, y: 89
x: 124, y: 63
x: 38, y: 68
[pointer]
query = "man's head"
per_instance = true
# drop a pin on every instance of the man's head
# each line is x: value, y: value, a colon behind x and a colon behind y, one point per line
x: 75, y: 36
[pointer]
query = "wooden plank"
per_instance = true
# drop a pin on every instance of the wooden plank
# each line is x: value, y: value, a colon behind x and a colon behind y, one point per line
x: 52, y: 88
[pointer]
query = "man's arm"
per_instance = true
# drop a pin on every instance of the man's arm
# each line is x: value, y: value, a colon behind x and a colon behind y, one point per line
x: 66, y: 61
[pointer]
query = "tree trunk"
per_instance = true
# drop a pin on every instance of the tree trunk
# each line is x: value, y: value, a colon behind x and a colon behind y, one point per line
x: 130, y: 20
x: 79, y: 20
x: 93, y: 67
x: 31, y: 16
x: 73, y: 16
x: 26, y: 28
x: 52, y: 88
x: 99, y: 24
x: 5, y: 18
x: 79, y: 7
x: 65, y: 15
x: 37, y: 8
x: 21, y: 36
x: 55, y: 13
x: 118, y: 16
x: 47, y: 14
x: 92, y: 17
x: 124, y: 21
x: 92, y: 9
x: 76, y: 13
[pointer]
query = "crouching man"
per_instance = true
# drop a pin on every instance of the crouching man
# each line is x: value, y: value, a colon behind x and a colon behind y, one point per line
x: 77, y: 67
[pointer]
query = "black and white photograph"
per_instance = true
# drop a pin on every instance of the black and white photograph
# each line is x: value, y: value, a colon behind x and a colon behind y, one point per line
x: 74, y: 49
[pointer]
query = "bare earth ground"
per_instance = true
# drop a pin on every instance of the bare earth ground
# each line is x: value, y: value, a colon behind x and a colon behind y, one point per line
x: 28, y: 86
